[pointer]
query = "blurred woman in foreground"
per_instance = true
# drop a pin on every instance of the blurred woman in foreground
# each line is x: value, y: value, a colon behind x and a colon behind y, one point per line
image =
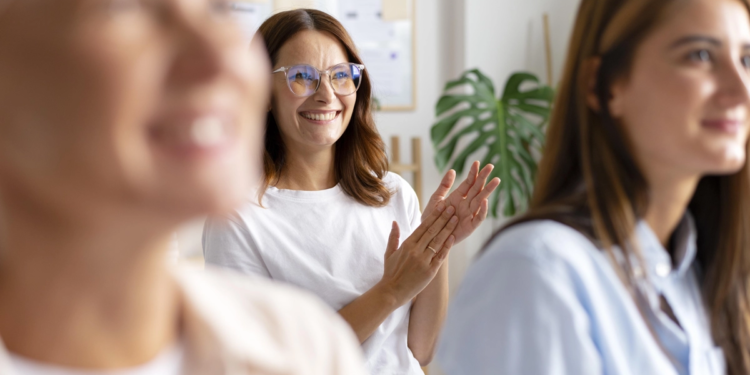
x: 120, y: 120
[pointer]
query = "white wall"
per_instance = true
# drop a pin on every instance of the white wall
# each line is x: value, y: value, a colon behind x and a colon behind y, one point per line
x: 497, y: 36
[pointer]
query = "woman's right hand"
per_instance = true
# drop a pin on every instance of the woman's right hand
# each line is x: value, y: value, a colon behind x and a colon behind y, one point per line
x: 411, y: 267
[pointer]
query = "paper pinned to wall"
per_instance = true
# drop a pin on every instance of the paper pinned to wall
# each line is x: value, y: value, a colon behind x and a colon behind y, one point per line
x: 363, y: 19
x: 386, y: 70
x: 395, y: 10
x: 386, y: 47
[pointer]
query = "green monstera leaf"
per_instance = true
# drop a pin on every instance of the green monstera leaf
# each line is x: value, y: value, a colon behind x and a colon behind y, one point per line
x: 511, y: 130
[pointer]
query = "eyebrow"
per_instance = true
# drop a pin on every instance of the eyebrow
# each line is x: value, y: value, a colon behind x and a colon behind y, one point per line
x: 696, y: 39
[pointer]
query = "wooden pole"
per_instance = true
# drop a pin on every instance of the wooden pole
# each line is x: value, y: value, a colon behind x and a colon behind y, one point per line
x: 548, y: 50
x: 396, y: 166
x: 416, y: 160
x: 395, y: 150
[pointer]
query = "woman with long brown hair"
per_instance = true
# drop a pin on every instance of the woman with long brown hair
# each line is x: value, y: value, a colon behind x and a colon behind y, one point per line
x: 119, y: 121
x: 329, y: 203
x: 635, y: 255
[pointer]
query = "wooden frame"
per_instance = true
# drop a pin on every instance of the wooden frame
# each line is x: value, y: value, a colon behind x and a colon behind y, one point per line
x: 416, y: 163
x: 413, y: 105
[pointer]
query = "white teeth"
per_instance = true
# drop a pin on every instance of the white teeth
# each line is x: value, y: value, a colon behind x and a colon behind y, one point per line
x: 207, y: 131
x: 320, y: 116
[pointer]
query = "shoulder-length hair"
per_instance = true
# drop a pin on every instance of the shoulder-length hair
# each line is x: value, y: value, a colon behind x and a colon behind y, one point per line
x: 361, y: 162
x: 589, y: 180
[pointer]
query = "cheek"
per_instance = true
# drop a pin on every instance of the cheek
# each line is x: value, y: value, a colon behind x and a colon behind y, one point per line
x: 284, y: 108
x: 131, y: 87
x: 349, y: 104
x: 66, y: 109
x: 661, y: 112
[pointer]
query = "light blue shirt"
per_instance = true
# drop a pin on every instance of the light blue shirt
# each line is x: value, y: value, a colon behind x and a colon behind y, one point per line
x: 543, y: 299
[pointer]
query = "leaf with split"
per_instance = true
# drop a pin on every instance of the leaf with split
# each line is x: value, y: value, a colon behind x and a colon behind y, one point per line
x: 510, y: 130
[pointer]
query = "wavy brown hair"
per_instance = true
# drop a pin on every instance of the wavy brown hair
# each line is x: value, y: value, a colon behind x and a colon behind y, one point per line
x: 361, y: 161
x: 589, y: 180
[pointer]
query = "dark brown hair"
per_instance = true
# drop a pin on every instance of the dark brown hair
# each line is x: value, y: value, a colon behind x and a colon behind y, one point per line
x: 360, y: 161
x: 589, y: 180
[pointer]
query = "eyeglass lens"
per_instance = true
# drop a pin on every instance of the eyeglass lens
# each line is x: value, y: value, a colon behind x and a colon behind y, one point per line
x: 304, y: 80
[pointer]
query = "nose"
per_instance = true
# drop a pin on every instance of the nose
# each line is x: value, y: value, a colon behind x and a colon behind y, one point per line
x: 734, y: 85
x: 325, y: 93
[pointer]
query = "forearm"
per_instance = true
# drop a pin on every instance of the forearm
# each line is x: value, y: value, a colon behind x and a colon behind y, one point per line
x: 366, y: 313
x: 427, y: 317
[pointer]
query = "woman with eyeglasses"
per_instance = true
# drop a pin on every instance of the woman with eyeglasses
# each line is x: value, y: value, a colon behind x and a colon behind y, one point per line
x: 331, y: 217
x: 119, y: 121
x: 635, y: 255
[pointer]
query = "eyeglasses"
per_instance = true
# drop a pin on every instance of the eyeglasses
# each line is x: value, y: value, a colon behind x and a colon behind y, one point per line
x: 304, y: 80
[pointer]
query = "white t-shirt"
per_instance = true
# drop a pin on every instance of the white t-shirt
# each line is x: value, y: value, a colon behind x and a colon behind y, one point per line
x: 169, y: 362
x: 328, y: 243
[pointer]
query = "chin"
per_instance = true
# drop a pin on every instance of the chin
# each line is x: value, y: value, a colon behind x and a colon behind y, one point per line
x: 225, y: 197
x: 730, y: 162
x: 192, y: 198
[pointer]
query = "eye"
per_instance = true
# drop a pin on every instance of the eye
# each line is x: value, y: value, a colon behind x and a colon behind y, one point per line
x: 341, y: 75
x: 300, y: 76
x: 118, y: 6
x: 746, y: 61
x: 221, y: 6
x: 700, y: 56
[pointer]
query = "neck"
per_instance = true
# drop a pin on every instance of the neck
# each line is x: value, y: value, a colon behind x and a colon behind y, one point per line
x: 84, y: 297
x: 308, y: 171
x: 670, y: 196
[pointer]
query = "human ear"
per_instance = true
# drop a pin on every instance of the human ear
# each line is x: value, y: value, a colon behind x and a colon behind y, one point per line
x: 590, y: 73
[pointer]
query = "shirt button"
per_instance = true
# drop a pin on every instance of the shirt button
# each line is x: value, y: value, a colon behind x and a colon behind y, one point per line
x: 638, y: 272
x: 663, y: 269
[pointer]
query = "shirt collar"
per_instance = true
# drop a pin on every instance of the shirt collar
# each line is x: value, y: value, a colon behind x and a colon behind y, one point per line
x: 658, y: 262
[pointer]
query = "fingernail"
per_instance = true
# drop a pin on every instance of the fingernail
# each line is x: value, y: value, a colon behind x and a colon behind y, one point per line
x: 451, y: 210
x: 441, y: 206
x: 454, y: 219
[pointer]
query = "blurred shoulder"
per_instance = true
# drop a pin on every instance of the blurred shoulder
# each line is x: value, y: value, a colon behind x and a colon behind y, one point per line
x: 541, y: 242
x: 399, y: 186
x: 282, y: 322
x: 394, y: 181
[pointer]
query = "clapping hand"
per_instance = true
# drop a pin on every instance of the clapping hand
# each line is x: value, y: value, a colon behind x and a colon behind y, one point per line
x: 470, y: 199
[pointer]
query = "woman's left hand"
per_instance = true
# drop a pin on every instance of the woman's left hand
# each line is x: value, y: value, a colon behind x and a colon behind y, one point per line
x: 470, y: 199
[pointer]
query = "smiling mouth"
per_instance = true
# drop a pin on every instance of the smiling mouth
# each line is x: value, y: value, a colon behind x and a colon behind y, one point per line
x: 724, y: 126
x: 191, y: 133
x: 320, y: 116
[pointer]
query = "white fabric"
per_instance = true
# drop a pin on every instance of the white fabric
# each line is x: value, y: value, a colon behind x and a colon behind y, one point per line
x: 167, y: 363
x: 327, y: 243
x: 236, y: 325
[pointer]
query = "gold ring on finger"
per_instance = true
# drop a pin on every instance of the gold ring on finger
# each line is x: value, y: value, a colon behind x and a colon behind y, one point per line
x: 433, y: 250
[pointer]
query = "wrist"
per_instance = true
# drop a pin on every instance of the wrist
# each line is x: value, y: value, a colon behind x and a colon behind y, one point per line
x: 388, y: 294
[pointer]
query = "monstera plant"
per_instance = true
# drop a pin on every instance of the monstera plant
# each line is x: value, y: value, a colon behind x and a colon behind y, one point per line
x: 510, y: 130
